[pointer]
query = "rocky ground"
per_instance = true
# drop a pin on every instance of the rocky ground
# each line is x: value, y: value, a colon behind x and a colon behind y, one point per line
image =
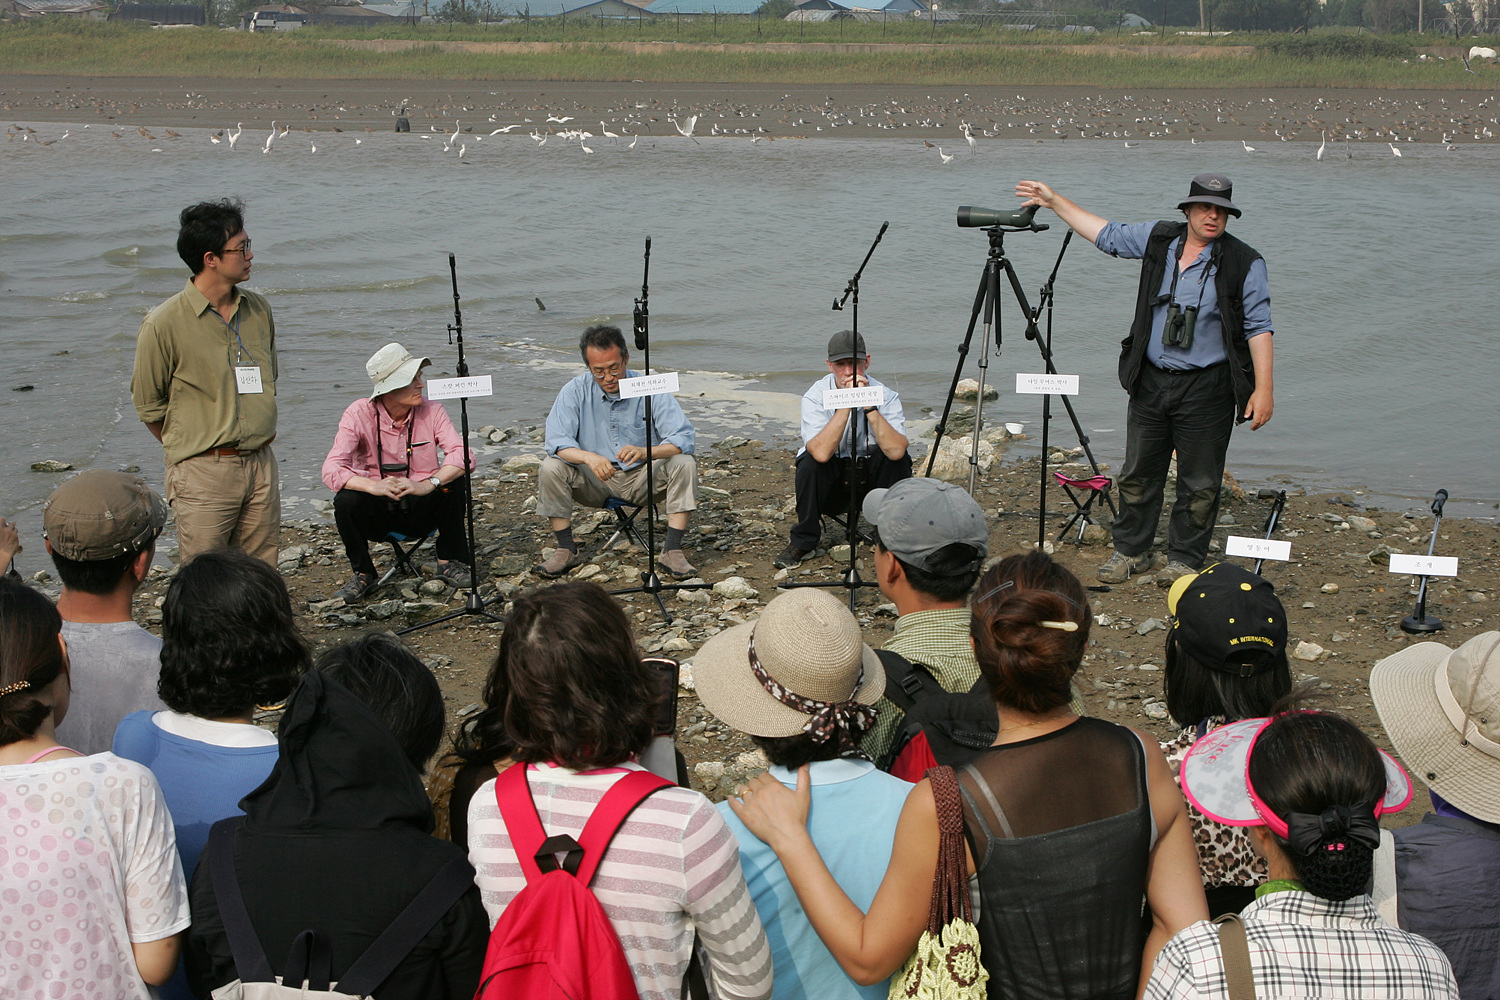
x: 1344, y: 606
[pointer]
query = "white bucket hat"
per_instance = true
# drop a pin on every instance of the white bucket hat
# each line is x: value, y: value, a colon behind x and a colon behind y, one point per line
x: 393, y: 367
x: 1441, y: 708
x: 808, y: 645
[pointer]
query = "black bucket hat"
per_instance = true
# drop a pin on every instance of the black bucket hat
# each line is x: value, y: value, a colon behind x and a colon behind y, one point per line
x: 1212, y: 189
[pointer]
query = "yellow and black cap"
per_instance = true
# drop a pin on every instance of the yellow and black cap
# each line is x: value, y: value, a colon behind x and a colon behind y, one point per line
x: 1228, y: 619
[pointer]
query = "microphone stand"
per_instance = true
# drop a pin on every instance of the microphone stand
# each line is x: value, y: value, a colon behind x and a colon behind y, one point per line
x: 1418, y: 622
x: 650, y: 580
x: 474, y: 605
x: 1279, y: 498
x: 859, y: 426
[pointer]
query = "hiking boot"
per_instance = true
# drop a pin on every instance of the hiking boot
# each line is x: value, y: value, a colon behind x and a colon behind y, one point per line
x: 454, y: 573
x: 675, y: 563
x: 1172, y: 572
x: 558, y: 563
x: 358, y: 586
x: 791, y: 556
x: 1120, y: 567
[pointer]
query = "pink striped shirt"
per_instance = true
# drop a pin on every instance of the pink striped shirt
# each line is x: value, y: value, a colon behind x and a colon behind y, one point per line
x: 672, y: 868
x: 353, y: 452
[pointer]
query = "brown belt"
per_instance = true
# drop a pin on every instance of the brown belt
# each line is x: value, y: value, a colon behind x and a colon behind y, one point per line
x: 225, y: 452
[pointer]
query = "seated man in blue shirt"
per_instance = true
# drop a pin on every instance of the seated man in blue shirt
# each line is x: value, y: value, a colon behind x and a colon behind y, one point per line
x: 1197, y: 360
x: 596, y: 449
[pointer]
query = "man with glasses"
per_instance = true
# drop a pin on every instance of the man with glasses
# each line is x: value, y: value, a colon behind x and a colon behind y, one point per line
x: 205, y: 386
x: 596, y: 449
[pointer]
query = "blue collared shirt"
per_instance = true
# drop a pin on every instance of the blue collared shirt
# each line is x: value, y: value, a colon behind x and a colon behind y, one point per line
x: 815, y: 416
x: 583, y: 416
x: 1195, y: 287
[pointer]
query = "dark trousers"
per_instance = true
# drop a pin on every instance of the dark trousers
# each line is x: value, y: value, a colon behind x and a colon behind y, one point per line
x: 1189, y: 412
x: 824, y: 486
x: 363, y: 517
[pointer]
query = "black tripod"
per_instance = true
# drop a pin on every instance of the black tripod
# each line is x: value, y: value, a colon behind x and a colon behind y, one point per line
x: 1278, y: 502
x: 650, y: 581
x: 858, y: 429
x: 1419, y: 622
x: 985, y: 299
x: 474, y: 605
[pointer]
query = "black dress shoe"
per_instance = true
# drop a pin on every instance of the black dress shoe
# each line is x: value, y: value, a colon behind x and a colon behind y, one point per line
x: 791, y: 556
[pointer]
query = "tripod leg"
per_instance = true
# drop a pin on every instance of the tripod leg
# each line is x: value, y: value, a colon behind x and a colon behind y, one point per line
x: 958, y: 369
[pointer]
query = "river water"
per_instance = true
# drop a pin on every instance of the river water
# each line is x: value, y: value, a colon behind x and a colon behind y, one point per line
x: 1384, y: 273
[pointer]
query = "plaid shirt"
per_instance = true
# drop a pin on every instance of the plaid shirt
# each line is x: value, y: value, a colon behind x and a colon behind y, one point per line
x: 1302, y: 946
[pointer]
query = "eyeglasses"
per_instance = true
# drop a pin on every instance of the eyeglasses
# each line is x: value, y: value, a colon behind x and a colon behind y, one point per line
x: 243, y: 248
x: 615, y: 369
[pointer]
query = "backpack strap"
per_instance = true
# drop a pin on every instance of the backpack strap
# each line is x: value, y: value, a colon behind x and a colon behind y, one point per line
x: 1234, y: 947
x: 518, y: 813
x: 907, y: 681
x: 250, y: 961
x: 618, y: 803
x: 410, y: 926
x: 309, y: 962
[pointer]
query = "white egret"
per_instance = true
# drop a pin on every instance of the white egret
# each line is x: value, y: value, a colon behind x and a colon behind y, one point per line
x: 947, y: 158
x: 1322, y: 145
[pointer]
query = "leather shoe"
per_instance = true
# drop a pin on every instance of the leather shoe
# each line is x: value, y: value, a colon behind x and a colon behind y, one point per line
x: 358, y: 586
x: 455, y: 574
x: 558, y: 563
x: 790, y: 556
x: 675, y: 563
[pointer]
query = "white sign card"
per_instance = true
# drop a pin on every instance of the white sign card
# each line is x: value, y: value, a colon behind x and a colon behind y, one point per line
x: 1258, y: 548
x: 860, y: 395
x: 247, y: 379
x: 457, y: 388
x: 1046, y: 385
x: 1415, y: 565
x: 648, y: 385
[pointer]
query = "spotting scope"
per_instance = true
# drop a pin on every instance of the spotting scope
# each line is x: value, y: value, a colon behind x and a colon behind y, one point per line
x: 974, y: 217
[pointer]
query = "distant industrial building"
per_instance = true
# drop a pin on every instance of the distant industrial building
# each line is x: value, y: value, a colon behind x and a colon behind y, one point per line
x: 161, y: 13
x: 88, y: 9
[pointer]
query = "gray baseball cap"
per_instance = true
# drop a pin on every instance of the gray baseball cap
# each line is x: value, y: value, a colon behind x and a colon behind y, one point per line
x: 917, y: 517
x: 98, y: 515
x: 846, y: 344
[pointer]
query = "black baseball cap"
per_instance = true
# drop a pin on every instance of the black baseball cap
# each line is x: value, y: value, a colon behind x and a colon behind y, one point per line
x: 1228, y: 619
x: 846, y: 344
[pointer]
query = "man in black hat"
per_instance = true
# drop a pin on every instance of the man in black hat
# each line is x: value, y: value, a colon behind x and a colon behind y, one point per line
x: 875, y: 434
x: 1197, y: 360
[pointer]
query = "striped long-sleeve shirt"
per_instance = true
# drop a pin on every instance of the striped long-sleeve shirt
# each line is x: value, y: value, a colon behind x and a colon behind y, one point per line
x: 672, y: 868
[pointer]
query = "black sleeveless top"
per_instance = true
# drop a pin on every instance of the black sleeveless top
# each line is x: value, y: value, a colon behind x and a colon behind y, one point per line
x: 1061, y: 831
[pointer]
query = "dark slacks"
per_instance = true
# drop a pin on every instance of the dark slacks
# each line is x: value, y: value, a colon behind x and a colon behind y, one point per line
x: 1189, y: 412
x: 363, y: 517
x: 824, y: 486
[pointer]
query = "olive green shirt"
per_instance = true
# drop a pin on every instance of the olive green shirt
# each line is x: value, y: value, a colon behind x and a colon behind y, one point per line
x: 185, y: 357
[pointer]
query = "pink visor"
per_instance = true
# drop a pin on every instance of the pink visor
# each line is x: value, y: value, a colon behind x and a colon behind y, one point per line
x: 1216, y: 779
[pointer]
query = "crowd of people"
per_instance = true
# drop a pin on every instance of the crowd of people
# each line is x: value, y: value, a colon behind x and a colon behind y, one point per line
x: 156, y: 840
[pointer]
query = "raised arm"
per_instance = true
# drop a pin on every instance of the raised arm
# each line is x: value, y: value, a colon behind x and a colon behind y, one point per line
x: 1081, y: 221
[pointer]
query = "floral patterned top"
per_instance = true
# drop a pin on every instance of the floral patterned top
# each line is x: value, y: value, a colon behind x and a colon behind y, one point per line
x: 1225, y: 856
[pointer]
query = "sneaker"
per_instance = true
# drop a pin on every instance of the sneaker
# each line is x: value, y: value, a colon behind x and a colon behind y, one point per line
x: 455, y: 573
x: 358, y: 586
x: 558, y: 563
x: 1174, y: 569
x: 791, y: 556
x: 1120, y: 567
x: 675, y: 563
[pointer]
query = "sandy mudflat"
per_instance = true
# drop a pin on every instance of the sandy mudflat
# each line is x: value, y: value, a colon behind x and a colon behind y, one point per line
x: 908, y: 113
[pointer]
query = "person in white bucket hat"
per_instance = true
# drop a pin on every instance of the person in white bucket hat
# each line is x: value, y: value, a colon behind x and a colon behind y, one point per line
x: 392, y: 468
x: 1441, y: 708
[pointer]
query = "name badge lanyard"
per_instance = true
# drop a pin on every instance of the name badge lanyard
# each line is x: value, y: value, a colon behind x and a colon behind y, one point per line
x: 411, y: 426
x: 234, y: 328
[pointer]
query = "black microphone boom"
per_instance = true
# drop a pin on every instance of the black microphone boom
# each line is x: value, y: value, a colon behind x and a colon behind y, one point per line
x: 642, y: 308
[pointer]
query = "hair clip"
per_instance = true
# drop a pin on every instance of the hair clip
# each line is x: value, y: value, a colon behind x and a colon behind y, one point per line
x: 20, y: 685
x: 1060, y: 626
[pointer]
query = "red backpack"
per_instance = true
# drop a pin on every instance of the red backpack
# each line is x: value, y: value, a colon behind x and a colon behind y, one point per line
x: 554, y: 940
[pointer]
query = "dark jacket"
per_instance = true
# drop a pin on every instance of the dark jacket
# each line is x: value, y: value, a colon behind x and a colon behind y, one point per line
x: 337, y: 840
x: 1447, y: 874
x: 1233, y: 258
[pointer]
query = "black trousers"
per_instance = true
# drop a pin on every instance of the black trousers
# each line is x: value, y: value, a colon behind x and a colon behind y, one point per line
x: 1192, y: 413
x: 824, y: 486
x: 362, y: 518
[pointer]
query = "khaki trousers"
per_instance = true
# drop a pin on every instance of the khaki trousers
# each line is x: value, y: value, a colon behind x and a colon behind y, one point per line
x: 232, y: 500
x: 559, y: 484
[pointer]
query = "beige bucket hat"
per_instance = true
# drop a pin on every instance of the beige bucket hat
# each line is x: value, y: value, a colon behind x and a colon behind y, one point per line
x: 1441, y: 708
x: 809, y: 645
x: 393, y: 367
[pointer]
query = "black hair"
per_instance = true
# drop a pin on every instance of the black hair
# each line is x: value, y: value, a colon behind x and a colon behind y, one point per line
x: 954, y: 569
x: 229, y: 641
x: 206, y: 227
x: 568, y: 686
x: 791, y: 752
x: 1194, y: 691
x: 1030, y: 666
x: 29, y: 653
x: 380, y: 671
x: 602, y: 338
x: 1307, y: 762
x: 97, y: 576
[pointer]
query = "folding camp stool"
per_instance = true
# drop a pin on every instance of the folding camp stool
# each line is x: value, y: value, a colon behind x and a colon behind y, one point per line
x: 404, y: 548
x: 1093, y: 487
x: 625, y: 513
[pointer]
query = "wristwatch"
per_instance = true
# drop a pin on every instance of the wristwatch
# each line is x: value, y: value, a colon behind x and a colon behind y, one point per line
x: 869, y: 410
x: 435, y: 481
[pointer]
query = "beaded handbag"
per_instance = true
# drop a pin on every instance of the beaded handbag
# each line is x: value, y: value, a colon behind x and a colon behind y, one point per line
x: 946, y: 964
